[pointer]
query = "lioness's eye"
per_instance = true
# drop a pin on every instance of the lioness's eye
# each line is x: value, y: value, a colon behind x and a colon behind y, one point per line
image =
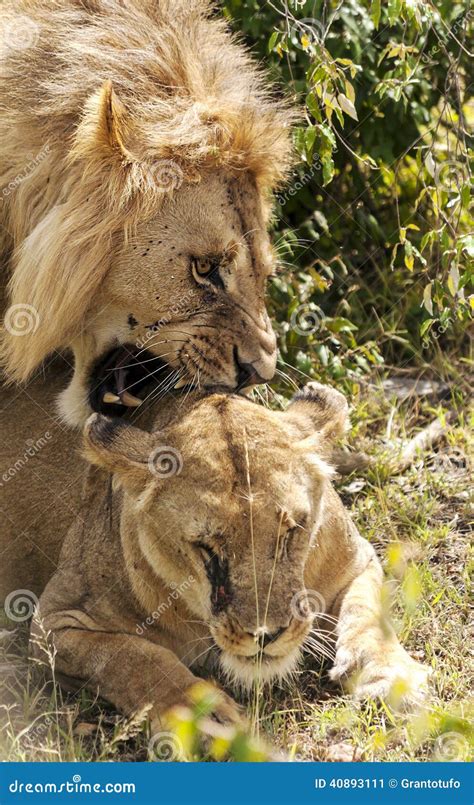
x: 207, y: 553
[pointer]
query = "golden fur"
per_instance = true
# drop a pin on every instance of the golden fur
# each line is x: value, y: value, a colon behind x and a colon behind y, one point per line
x: 222, y: 532
x: 129, y: 124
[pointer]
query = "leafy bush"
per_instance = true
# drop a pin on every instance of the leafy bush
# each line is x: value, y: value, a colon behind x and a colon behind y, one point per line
x: 374, y: 231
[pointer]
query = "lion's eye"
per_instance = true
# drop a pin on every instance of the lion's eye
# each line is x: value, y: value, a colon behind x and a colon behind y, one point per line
x: 206, y: 269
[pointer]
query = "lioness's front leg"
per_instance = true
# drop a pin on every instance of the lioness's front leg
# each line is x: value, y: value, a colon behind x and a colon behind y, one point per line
x: 368, y: 654
x: 128, y: 671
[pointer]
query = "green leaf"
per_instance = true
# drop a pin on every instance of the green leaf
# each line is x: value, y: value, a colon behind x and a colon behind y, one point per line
x: 273, y: 40
x: 375, y: 13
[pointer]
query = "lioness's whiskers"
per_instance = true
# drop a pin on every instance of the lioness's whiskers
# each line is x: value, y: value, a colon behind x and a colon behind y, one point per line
x: 312, y: 645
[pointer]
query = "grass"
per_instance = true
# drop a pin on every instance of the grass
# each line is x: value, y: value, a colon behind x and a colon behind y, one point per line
x: 419, y: 523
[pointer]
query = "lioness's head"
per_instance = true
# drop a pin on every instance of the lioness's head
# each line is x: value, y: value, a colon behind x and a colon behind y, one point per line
x: 233, y: 495
x: 149, y: 253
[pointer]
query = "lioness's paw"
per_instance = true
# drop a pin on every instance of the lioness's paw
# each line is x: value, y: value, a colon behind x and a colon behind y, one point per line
x: 399, y: 680
x: 209, y: 701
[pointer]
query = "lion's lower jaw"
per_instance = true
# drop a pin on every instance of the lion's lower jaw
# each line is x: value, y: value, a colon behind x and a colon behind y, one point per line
x: 243, y: 673
x: 73, y: 404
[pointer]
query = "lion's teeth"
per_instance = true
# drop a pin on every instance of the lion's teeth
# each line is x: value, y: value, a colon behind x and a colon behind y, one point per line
x: 129, y: 400
x: 181, y: 383
x: 110, y: 398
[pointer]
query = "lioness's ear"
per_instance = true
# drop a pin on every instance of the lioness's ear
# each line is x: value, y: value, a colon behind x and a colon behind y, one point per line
x: 119, y: 448
x: 104, y: 127
x: 321, y: 410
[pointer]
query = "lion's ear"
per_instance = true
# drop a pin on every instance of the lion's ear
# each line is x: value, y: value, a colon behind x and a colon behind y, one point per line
x: 120, y: 448
x: 321, y: 411
x: 104, y: 128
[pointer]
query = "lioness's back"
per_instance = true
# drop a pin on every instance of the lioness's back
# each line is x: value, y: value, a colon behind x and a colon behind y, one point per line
x: 41, y: 476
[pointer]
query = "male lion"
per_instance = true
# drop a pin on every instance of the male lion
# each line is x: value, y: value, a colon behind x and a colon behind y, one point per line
x: 220, y: 535
x: 138, y: 149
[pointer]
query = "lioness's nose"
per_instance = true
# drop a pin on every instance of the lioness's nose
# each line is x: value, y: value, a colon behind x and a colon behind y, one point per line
x: 263, y: 637
x: 246, y: 375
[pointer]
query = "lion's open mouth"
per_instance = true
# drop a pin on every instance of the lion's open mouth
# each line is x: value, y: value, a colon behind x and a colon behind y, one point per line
x: 122, y: 374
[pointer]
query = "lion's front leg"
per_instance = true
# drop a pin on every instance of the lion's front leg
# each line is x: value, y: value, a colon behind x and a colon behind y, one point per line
x: 369, y: 657
x: 129, y: 671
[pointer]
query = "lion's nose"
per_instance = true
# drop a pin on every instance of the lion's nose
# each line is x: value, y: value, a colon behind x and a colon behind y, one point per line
x: 263, y: 637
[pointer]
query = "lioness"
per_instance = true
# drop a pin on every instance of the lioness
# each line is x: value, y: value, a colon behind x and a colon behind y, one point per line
x: 139, y: 146
x: 216, y: 536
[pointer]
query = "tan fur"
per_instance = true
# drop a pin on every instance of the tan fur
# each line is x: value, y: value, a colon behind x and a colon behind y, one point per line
x: 239, y: 535
x: 41, y: 477
x: 132, y: 127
